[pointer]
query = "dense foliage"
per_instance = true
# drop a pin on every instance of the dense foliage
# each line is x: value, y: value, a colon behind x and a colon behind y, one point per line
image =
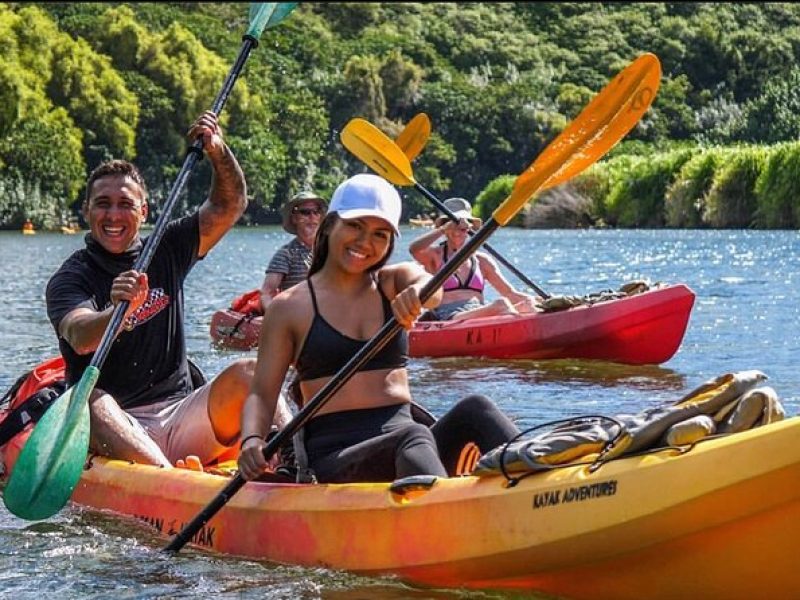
x: 82, y: 82
x: 723, y: 187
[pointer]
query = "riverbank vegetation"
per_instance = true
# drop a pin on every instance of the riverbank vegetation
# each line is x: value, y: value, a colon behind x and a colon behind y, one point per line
x: 729, y: 187
x: 83, y: 82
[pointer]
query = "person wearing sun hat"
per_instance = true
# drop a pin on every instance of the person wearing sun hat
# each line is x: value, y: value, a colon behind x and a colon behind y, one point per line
x: 289, y: 265
x: 366, y: 431
x: 461, y: 209
x: 463, y: 291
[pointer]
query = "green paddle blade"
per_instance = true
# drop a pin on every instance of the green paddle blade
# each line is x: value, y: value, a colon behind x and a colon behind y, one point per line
x: 51, y: 462
x: 281, y: 12
x: 267, y: 14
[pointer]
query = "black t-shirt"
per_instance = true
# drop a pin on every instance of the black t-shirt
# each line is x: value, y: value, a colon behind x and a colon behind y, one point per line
x: 147, y: 363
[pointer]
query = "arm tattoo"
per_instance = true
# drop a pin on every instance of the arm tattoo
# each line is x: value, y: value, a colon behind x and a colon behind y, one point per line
x: 227, y: 184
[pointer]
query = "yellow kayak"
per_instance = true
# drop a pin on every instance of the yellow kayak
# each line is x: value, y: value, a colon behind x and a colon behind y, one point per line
x: 721, y: 520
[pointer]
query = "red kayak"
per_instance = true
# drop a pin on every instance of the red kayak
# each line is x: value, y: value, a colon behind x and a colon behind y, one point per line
x: 645, y: 328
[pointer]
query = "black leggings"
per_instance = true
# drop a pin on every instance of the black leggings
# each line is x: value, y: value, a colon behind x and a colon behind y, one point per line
x: 385, y: 443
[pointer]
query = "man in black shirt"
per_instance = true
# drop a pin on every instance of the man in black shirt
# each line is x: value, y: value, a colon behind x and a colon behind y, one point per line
x: 144, y: 407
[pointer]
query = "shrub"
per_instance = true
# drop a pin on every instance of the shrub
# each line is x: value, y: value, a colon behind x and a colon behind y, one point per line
x: 492, y: 195
x: 685, y: 197
x: 638, y: 199
x: 731, y: 201
x: 778, y: 189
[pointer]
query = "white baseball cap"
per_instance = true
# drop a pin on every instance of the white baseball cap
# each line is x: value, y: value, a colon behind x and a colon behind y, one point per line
x: 367, y: 195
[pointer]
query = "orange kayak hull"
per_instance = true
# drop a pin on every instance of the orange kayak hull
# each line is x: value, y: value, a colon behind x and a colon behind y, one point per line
x: 719, y: 521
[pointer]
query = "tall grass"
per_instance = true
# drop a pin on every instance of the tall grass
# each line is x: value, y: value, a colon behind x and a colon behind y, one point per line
x: 719, y: 186
x: 778, y: 188
x: 731, y: 201
x: 685, y: 198
x: 639, y: 199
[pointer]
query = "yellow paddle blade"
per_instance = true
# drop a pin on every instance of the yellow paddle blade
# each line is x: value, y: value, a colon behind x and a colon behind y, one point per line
x: 414, y: 137
x: 599, y: 126
x: 376, y: 150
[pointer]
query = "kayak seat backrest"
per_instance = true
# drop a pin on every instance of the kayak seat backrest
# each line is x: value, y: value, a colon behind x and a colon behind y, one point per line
x: 30, y: 396
x: 34, y: 392
x: 44, y: 374
x: 30, y: 410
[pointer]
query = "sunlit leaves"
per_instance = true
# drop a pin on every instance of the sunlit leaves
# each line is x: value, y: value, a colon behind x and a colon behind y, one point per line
x: 498, y: 80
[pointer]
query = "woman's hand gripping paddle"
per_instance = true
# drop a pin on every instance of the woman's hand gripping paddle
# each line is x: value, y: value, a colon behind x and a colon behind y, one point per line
x: 51, y: 462
x: 605, y: 121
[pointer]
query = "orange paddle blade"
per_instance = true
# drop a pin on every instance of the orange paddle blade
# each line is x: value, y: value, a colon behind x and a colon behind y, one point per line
x: 599, y: 126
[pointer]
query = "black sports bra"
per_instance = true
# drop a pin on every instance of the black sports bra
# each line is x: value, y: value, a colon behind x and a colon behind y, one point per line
x: 325, y: 350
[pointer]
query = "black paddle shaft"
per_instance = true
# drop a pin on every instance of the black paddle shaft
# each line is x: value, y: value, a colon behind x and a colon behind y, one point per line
x: 194, y: 154
x: 359, y: 359
x: 441, y: 206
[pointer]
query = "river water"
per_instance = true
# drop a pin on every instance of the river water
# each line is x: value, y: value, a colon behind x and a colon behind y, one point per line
x: 746, y: 316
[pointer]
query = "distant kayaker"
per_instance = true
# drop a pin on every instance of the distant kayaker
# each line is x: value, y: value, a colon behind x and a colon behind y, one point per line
x: 143, y: 407
x: 463, y: 291
x: 365, y: 432
x: 289, y: 265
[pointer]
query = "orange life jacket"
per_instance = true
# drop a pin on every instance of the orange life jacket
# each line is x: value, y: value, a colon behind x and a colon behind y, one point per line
x: 248, y: 303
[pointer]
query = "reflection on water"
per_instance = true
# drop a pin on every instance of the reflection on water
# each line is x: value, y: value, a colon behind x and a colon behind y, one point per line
x: 537, y: 391
x: 87, y: 554
x: 580, y: 372
x: 381, y: 591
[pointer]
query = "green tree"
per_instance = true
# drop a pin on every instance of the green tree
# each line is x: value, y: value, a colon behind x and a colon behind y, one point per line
x: 774, y: 116
x: 96, y: 97
x: 401, y: 83
x: 362, y: 91
x: 670, y: 116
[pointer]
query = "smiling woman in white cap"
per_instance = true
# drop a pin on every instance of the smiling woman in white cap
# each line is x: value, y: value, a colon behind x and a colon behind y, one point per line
x: 289, y: 265
x: 365, y: 432
x: 463, y: 291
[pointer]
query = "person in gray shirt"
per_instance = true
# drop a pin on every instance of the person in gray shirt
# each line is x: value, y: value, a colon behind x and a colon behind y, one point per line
x: 289, y: 266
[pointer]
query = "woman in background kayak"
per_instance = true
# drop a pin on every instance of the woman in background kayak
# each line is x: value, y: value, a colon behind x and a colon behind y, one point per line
x: 365, y: 432
x: 463, y: 291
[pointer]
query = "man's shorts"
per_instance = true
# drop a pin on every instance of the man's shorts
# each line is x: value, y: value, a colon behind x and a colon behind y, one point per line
x: 180, y: 427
